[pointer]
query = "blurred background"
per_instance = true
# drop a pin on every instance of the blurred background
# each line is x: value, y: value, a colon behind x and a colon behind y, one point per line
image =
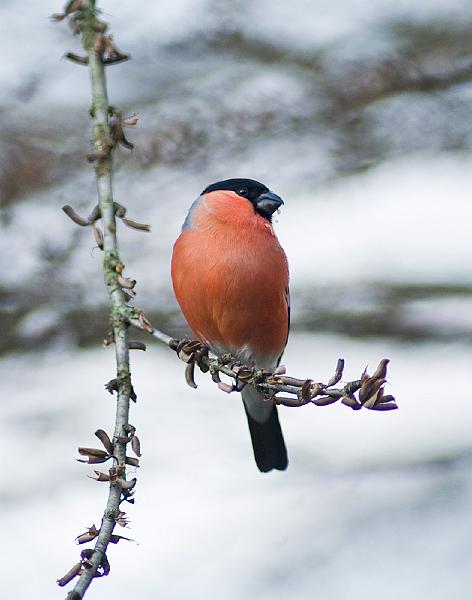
x: 359, y: 115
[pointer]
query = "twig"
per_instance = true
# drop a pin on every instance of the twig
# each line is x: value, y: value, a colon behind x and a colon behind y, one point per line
x: 369, y: 389
x: 98, y: 50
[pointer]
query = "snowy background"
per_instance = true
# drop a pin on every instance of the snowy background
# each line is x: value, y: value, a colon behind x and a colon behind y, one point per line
x: 358, y: 115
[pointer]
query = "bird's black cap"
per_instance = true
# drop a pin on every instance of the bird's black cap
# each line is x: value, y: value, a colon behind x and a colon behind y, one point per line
x: 265, y: 202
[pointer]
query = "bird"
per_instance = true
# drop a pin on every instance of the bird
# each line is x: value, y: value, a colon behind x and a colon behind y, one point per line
x: 231, y: 279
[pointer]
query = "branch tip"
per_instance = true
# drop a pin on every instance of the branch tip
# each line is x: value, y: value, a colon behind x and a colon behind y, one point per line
x: 137, y: 346
x: 136, y: 225
x: 98, y: 235
x: 145, y: 323
x: 76, y: 58
x: 88, y: 535
x: 94, y: 215
x: 69, y: 576
x: 190, y: 375
x: 125, y: 282
x: 104, y: 438
x: 108, y: 339
x: 136, y: 445
x: 74, y: 216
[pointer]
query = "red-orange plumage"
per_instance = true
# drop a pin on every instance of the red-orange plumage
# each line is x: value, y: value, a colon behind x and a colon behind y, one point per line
x: 230, y: 277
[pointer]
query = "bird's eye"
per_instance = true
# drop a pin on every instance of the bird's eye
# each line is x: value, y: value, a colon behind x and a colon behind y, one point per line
x: 242, y: 192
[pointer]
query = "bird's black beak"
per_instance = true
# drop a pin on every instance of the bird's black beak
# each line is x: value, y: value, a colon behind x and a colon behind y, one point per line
x: 267, y: 204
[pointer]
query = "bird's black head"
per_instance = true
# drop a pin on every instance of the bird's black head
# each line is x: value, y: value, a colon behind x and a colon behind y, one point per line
x: 264, y: 201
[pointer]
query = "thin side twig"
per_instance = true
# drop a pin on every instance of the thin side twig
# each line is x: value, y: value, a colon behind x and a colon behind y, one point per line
x: 369, y: 389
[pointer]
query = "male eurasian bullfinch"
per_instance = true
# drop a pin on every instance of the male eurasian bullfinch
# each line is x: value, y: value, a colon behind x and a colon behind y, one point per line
x: 230, y: 277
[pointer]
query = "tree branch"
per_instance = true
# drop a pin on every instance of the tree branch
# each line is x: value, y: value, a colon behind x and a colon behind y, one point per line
x: 369, y: 389
x: 99, y: 50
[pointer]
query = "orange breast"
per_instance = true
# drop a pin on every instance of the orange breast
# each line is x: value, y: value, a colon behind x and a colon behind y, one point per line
x: 230, y: 277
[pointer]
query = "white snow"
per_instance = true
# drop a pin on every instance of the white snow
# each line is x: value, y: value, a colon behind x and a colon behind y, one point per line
x: 359, y: 513
x: 406, y: 220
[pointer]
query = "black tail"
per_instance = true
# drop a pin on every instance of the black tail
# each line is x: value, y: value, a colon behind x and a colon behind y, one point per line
x: 268, y: 443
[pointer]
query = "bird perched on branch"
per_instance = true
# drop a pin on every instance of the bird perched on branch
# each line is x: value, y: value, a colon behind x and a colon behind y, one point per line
x: 230, y: 277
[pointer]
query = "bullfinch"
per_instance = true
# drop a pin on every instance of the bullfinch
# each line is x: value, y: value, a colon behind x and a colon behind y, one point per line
x: 230, y: 278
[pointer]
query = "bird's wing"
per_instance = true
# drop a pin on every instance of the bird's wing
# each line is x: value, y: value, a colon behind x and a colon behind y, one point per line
x: 287, y: 298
